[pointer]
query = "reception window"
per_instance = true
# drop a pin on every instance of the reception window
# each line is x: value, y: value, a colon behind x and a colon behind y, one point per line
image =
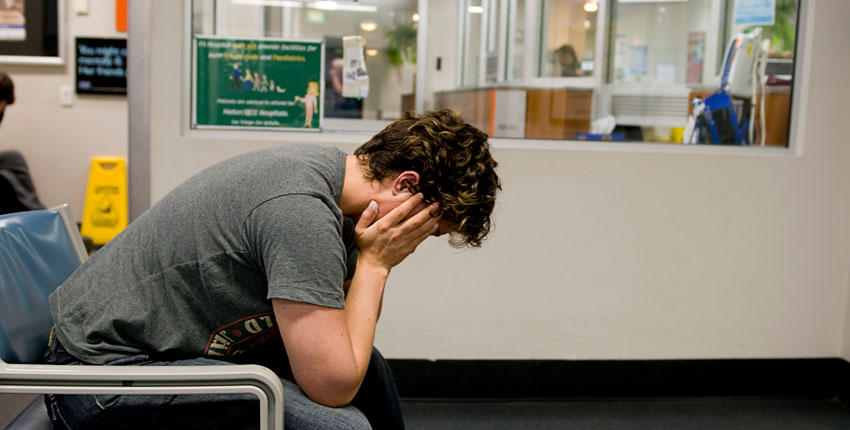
x: 713, y: 72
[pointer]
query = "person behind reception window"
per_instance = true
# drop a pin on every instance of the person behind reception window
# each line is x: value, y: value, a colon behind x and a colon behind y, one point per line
x: 277, y: 257
x: 568, y: 61
x: 17, y: 191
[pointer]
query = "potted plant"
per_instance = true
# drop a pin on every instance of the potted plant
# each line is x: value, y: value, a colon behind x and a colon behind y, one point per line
x: 401, y: 44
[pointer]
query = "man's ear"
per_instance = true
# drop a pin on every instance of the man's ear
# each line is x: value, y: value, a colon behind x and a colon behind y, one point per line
x: 406, y: 181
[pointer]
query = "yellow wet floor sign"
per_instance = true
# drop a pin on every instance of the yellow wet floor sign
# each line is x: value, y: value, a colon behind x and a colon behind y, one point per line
x: 105, y: 213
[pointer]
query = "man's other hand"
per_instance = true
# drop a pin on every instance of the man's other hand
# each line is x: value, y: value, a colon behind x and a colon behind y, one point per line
x: 389, y: 240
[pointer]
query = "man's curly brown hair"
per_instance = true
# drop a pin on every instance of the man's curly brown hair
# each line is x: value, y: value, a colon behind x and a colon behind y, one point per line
x: 454, y: 164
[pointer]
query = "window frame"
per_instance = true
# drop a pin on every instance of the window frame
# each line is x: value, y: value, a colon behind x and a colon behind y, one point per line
x: 361, y: 130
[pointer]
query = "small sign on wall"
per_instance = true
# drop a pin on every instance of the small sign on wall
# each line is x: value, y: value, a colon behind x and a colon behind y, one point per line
x: 101, y: 66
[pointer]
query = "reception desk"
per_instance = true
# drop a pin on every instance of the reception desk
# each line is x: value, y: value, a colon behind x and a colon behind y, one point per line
x: 530, y: 113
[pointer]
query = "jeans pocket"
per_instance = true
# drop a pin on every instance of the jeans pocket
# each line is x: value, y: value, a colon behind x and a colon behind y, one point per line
x: 106, y: 401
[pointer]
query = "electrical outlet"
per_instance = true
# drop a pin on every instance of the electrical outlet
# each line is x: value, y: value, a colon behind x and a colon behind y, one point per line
x: 66, y: 95
x: 81, y: 7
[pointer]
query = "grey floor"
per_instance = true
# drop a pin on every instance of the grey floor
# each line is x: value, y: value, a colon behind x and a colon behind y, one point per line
x: 716, y: 413
x: 11, y: 404
x: 601, y: 414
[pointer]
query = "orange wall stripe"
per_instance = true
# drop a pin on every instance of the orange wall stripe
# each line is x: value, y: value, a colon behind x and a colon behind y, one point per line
x: 121, y: 15
x: 492, y: 112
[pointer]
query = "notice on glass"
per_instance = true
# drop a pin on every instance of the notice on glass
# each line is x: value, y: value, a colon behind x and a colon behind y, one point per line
x: 754, y: 12
x: 12, y: 22
x: 257, y: 83
x: 355, y: 79
x: 696, y: 55
x: 638, y: 60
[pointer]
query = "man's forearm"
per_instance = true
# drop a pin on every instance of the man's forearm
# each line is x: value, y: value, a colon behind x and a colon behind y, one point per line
x: 362, y: 308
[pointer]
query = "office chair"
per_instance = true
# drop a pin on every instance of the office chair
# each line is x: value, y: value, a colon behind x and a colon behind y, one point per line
x: 38, y: 251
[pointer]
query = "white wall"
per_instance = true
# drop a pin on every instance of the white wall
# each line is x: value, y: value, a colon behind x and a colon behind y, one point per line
x: 611, y: 254
x: 59, y: 142
x: 835, y: 113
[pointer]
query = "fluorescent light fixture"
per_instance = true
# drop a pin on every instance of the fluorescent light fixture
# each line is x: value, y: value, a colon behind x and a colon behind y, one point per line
x: 368, y: 25
x: 278, y: 3
x: 332, y: 5
x: 326, y: 5
x: 371, y: 52
x: 591, y: 6
x: 476, y: 9
x: 322, y: 5
x: 653, y: 1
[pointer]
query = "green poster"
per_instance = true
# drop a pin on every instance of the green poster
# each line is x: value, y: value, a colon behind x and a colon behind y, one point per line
x: 257, y: 83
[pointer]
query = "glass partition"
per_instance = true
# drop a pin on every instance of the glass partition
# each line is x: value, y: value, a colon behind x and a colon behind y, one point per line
x: 516, y: 40
x: 568, y: 33
x: 651, y: 42
x: 675, y: 71
x: 473, y: 26
x: 701, y: 71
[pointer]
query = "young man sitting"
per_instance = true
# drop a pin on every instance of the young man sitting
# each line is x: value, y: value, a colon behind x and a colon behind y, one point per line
x: 277, y: 257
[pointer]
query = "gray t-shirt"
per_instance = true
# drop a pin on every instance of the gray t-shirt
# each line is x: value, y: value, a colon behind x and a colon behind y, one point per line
x: 194, y: 275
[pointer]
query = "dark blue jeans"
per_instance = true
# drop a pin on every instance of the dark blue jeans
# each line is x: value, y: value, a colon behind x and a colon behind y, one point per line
x: 376, y: 405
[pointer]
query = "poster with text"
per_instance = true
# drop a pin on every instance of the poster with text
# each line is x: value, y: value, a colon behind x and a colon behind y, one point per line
x: 257, y: 83
x: 12, y: 20
x: 101, y: 66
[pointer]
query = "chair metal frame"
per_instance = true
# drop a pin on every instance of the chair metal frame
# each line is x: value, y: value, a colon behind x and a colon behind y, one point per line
x: 142, y: 380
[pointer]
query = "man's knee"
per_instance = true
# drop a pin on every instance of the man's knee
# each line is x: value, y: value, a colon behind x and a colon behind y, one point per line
x: 356, y: 420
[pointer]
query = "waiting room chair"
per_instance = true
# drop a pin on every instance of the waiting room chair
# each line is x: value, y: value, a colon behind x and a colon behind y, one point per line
x: 38, y: 251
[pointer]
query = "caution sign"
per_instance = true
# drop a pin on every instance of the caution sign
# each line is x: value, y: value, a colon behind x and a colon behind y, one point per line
x: 105, y: 213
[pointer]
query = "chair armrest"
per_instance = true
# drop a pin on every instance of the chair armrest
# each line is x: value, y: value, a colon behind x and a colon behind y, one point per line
x: 75, y: 379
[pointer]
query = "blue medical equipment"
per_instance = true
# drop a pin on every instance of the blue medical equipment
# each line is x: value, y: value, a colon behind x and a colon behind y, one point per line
x: 727, y: 116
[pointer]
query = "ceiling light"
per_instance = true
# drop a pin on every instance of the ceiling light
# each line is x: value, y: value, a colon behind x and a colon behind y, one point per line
x: 476, y: 9
x: 371, y: 52
x: 591, y: 6
x: 332, y: 5
x: 323, y: 5
x: 326, y: 5
x: 269, y: 3
x: 368, y: 25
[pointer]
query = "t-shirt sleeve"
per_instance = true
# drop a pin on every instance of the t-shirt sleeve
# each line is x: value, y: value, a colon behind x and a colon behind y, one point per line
x: 297, y: 240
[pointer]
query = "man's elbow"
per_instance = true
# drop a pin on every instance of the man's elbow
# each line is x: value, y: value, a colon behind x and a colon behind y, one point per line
x: 332, y: 392
x: 333, y: 401
x: 333, y: 398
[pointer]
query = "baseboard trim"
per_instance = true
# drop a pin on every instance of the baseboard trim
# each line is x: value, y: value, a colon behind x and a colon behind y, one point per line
x: 551, y: 379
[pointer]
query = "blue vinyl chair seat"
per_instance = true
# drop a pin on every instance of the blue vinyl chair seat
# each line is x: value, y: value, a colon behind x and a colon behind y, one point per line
x: 38, y: 251
x: 36, y: 256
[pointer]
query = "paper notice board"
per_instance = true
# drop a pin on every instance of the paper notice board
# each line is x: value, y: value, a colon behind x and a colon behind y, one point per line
x: 257, y: 83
